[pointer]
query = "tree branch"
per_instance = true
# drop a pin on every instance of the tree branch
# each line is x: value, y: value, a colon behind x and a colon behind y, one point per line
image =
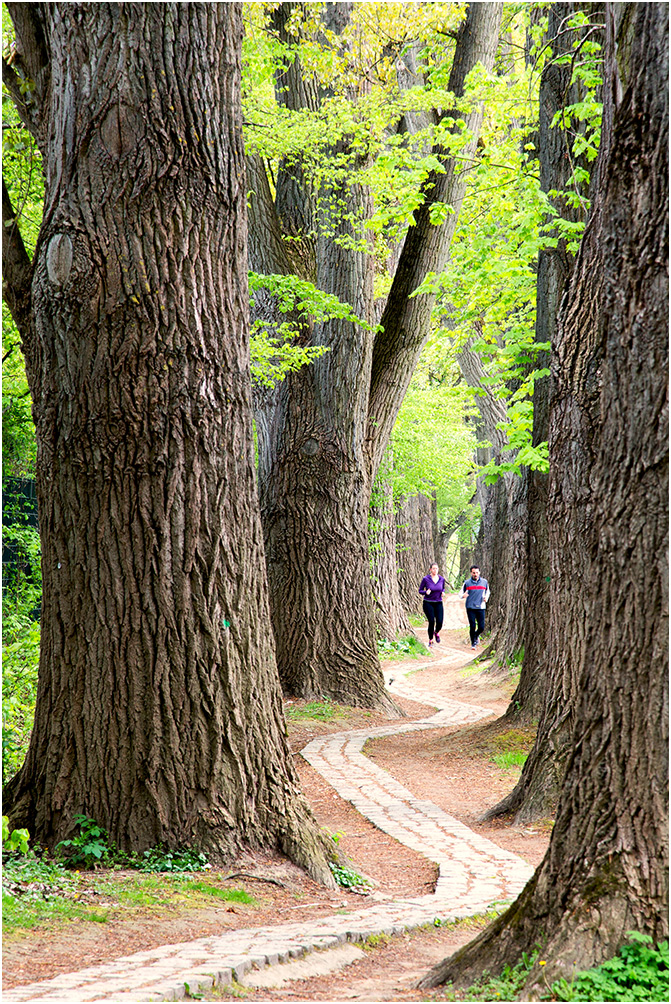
x: 12, y: 82
x: 406, y: 321
x: 28, y: 75
x: 17, y: 270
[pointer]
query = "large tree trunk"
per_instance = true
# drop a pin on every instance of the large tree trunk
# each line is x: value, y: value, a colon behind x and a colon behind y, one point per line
x: 539, y: 695
x: 314, y: 483
x: 158, y: 710
x: 322, y: 439
x: 605, y: 872
x: 315, y: 491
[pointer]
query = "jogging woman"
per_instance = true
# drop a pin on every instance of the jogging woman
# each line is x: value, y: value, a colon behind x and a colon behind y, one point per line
x: 432, y: 590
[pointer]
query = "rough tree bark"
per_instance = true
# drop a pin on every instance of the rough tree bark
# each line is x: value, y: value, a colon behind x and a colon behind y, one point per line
x: 554, y: 270
x: 540, y: 696
x: 605, y: 872
x: 323, y: 436
x: 155, y: 606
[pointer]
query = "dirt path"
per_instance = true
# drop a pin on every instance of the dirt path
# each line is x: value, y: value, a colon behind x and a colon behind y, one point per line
x: 448, y: 766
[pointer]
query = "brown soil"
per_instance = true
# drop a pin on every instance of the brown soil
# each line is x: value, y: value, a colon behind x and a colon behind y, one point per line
x: 452, y: 767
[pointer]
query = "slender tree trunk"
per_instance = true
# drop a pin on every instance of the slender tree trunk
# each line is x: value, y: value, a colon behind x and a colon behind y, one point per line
x: 492, y: 551
x: 390, y: 616
x: 605, y: 872
x: 408, y: 545
x: 158, y: 710
x: 416, y: 548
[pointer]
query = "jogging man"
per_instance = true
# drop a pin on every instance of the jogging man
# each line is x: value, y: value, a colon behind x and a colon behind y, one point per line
x: 476, y: 591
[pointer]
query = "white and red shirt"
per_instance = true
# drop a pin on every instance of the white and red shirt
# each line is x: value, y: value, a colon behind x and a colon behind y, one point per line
x: 477, y: 593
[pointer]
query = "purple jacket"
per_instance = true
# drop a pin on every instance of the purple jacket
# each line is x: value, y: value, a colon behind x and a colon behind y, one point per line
x: 436, y: 589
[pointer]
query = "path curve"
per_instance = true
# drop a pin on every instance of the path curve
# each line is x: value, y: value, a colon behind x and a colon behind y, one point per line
x: 474, y: 873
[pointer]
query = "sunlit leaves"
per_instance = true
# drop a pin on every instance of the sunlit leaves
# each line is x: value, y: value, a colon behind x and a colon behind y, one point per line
x: 275, y: 350
x: 433, y: 446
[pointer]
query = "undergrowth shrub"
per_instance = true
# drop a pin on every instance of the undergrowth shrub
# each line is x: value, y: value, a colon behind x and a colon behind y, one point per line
x: 92, y: 847
x: 409, y: 646
x: 639, y: 972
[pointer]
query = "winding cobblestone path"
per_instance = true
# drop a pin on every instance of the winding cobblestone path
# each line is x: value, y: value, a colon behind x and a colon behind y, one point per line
x: 473, y: 874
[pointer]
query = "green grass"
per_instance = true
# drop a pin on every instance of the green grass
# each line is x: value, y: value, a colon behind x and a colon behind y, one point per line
x: 39, y: 893
x: 27, y: 912
x: 510, y: 761
x: 152, y: 891
x: 472, y: 670
x: 320, y: 711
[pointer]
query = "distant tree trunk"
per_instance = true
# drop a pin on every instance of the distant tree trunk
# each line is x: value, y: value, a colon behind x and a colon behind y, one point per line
x: 492, y: 550
x: 416, y: 548
x: 390, y: 615
x: 605, y: 872
x: 158, y: 709
x: 408, y: 544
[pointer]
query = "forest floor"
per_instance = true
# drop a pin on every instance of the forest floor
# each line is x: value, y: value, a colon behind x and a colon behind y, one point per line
x: 462, y: 770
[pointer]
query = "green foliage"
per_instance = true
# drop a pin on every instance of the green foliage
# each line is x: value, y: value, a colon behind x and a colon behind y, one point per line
x: 21, y: 644
x: 432, y: 447
x: 639, y: 972
x: 274, y: 350
x: 348, y: 878
x: 33, y: 870
x: 19, y: 691
x: 22, y: 174
x: 17, y: 840
x: 90, y: 847
x: 487, y: 295
x: 400, y: 647
x: 36, y: 890
x: 19, y: 448
x: 353, y: 136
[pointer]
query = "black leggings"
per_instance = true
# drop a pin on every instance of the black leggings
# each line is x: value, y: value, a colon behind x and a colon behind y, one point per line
x: 476, y: 622
x: 434, y: 613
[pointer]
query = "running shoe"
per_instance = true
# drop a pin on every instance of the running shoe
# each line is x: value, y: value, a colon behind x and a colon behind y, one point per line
x: 438, y: 639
